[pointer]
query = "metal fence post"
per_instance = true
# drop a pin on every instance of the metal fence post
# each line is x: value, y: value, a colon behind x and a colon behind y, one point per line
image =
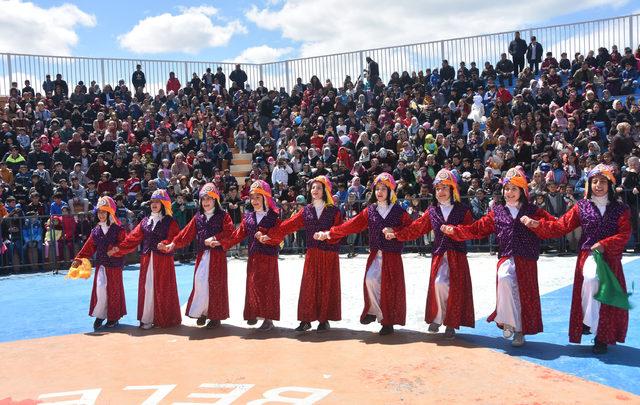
x: 631, y: 30
x: 102, y: 77
x: 288, y: 83
x: 442, y: 56
x: 9, y: 73
x: 361, y: 56
x: 261, y: 78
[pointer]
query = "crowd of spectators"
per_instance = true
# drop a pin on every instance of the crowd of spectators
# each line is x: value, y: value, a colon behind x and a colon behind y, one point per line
x: 63, y: 148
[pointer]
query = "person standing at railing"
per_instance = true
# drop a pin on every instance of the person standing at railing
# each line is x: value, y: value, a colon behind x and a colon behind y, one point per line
x: 373, y: 72
x: 630, y: 189
x: 319, y: 298
x: 158, y: 303
x: 107, y: 297
x: 534, y: 55
x: 450, y: 296
x: 239, y: 77
x: 518, y: 299
x: 209, y: 297
x: 138, y: 78
x: 384, y: 287
x: 606, y: 228
x: 173, y: 84
x: 517, y: 50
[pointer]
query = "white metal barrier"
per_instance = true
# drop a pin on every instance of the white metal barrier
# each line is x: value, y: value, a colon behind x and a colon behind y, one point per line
x: 575, y: 37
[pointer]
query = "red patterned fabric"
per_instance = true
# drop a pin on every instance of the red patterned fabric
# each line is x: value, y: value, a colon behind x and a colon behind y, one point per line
x: 613, y: 322
x: 459, y: 311
x: 262, y: 297
x: 218, y: 288
x: 320, y: 294
x: 116, y: 304
x: 392, y: 296
x: 166, y: 308
x: 526, y: 271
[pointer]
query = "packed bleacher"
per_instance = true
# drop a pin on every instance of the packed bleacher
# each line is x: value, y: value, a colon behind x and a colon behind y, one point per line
x: 67, y: 145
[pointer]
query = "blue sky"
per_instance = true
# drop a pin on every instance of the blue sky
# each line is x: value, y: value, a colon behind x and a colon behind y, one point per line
x: 265, y: 30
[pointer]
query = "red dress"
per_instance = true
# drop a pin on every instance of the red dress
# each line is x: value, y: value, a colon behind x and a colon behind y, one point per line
x: 613, y: 321
x: 116, y: 304
x: 218, y: 307
x: 319, y: 298
x: 393, y: 301
x: 459, y: 311
x: 262, y: 295
x: 166, y: 304
x: 526, y: 265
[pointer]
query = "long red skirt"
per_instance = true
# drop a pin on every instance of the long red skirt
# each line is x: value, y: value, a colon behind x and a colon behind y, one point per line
x: 393, y: 301
x: 262, y: 297
x: 320, y: 287
x: 459, y: 311
x: 116, y: 304
x: 166, y: 305
x: 218, y: 308
x: 613, y: 322
x: 527, y: 274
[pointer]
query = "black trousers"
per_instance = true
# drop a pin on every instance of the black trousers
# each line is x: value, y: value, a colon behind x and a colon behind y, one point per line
x: 518, y: 64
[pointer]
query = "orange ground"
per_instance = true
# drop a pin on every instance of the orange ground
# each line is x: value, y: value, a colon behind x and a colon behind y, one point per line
x: 357, y: 367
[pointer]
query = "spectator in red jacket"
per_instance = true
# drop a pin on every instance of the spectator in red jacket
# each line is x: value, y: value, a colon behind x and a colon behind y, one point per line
x: 173, y: 84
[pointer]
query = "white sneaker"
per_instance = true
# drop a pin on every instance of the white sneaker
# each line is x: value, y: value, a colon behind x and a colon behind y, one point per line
x: 434, y: 327
x: 507, y: 331
x: 147, y: 326
x: 518, y: 340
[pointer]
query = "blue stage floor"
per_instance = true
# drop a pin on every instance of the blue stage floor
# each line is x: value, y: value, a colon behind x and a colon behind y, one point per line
x: 42, y: 305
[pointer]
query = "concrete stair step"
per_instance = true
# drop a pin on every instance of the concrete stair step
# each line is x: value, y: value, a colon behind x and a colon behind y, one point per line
x: 241, y: 161
x: 242, y: 167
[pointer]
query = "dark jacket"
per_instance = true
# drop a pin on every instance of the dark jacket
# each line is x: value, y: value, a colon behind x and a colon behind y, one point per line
x: 518, y: 47
x: 538, y: 52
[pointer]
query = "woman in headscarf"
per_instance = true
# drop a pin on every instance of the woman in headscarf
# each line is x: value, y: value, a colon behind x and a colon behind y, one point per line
x: 209, y: 298
x: 518, y: 299
x: 158, y: 303
x: 107, y: 295
x: 262, y: 297
x: 450, y: 296
x: 606, y: 227
x: 320, y: 287
x: 384, y: 289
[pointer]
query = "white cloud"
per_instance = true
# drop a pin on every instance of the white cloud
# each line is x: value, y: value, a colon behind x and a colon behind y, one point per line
x: 326, y: 27
x: 29, y: 28
x: 190, y: 31
x: 261, y: 54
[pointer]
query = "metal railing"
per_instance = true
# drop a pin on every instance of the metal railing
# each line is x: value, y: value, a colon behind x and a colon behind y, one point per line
x: 570, y: 38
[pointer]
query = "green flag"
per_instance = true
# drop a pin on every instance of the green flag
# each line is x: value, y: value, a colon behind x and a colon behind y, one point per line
x: 610, y: 291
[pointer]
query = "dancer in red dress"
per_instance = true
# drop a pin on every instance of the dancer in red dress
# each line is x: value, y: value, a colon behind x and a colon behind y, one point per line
x: 158, y: 303
x: 107, y: 295
x: 320, y: 287
x: 262, y: 298
x: 518, y: 299
x: 209, y: 298
x: 450, y: 296
x: 384, y: 290
x: 606, y: 227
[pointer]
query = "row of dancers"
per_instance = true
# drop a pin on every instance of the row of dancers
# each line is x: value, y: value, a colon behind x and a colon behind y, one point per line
x: 518, y: 227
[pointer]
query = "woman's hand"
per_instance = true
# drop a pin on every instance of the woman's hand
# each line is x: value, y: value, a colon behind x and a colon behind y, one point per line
x: 113, y: 251
x: 528, y: 222
x: 597, y: 246
x: 447, y: 229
